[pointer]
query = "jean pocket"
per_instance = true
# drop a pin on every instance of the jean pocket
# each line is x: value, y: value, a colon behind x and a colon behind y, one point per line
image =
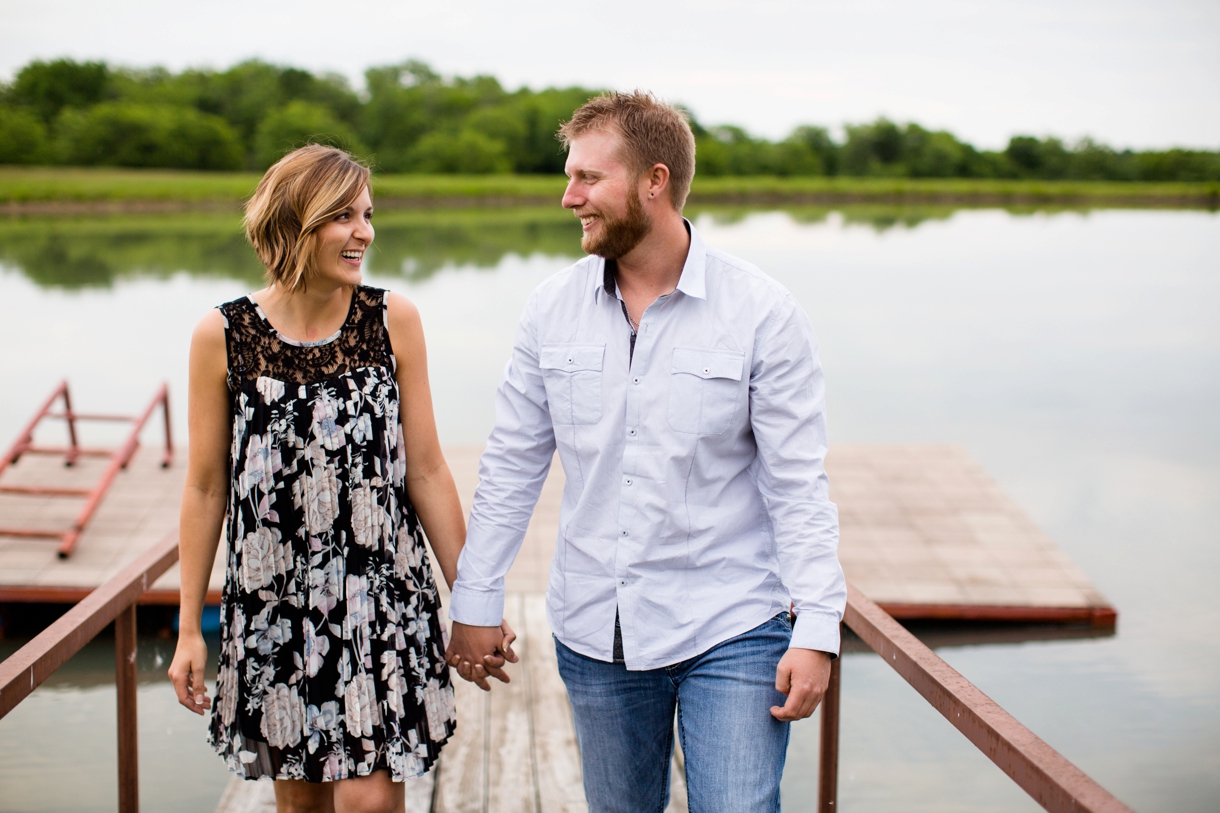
x: 572, y: 374
x: 705, y: 391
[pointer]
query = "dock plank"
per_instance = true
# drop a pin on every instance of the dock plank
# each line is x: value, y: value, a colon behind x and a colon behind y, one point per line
x: 557, y: 759
x: 511, y: 775
x: 461, y: 774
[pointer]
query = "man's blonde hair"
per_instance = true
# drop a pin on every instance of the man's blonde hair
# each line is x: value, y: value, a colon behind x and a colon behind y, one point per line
x: 300, y: 193
x: 653, y: 133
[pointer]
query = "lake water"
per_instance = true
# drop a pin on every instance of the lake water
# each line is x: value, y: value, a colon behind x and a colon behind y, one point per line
x: 1076, y: 355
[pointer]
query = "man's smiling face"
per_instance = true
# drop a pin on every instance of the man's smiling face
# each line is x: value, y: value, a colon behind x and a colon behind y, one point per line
x: 603, y: 192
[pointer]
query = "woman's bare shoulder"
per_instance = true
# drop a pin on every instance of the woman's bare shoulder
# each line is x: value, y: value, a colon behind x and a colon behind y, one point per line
x: 208, y: 338
x: 210, y: 329
x: 401, y: 312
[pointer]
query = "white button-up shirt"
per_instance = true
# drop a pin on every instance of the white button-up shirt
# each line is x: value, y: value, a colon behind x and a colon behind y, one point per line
x: 696, y: 502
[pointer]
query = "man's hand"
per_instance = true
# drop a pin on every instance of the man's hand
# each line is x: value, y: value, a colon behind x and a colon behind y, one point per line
x: 802, y: 674
x: 477, y: 652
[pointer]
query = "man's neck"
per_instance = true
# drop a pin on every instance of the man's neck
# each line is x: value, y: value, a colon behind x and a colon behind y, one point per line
x: 654, y: 267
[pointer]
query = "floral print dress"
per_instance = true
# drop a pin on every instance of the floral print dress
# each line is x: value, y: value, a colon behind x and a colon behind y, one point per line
x: 332, y: 654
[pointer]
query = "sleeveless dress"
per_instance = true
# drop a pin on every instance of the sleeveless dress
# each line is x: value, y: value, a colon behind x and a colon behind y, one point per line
x: 332, y: 654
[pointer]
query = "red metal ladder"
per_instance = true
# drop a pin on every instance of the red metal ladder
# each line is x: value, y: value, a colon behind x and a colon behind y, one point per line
x: 119, y: 456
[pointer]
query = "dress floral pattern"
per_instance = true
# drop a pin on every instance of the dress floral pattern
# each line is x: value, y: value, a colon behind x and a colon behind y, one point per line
x: 332, y: 653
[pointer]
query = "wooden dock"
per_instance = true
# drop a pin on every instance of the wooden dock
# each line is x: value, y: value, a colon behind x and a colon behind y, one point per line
x: 925, y: 533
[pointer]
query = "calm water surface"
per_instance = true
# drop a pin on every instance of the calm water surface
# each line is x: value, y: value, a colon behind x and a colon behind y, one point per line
x: 1075, y: 355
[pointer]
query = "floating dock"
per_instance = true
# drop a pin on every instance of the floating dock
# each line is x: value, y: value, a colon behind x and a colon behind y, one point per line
x: 925, y: 533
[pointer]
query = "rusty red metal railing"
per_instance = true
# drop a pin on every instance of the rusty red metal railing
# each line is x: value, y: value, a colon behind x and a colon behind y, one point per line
x: 1041, y: 771
x: 23, y: 671
x: 119, y: 456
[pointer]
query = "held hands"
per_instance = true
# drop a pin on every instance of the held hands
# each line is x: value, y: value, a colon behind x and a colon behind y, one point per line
x: 186, y: 672
x: 802, y: 674
x: 479, y: 652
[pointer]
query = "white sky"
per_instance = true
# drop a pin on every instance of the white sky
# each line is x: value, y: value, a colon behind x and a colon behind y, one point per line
x: 1128, y: 72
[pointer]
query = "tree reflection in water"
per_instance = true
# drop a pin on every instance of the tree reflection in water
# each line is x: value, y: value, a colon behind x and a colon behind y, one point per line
x: 82, y: 252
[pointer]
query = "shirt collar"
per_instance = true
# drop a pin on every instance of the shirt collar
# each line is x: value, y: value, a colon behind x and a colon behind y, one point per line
x: 693, y: 281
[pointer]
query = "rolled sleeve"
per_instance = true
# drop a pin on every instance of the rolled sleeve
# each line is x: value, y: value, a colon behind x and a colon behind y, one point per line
x: 787, y: 402
x: 512, y: 471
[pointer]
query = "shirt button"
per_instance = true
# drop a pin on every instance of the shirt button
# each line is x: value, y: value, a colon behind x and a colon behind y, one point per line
x: 623, y: 583
x: 635, y: 380
x: 628, y: 481
x: 624, y: 533
x: 569, y: 361
x: 705, y: 369
x: 631, y: 432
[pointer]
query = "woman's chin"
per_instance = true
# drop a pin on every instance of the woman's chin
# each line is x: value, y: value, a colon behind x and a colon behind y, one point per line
x: 343, y: 277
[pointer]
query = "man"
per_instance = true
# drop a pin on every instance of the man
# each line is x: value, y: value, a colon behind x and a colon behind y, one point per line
x: 683, y: 391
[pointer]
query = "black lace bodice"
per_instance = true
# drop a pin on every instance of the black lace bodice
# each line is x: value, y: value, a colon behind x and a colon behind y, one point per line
x: 255, y: 349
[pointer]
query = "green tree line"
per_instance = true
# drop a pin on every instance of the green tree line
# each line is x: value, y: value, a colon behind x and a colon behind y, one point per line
x: 408, y: 118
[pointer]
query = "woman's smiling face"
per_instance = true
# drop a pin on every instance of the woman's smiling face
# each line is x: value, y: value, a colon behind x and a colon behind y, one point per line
x: 341, y: 243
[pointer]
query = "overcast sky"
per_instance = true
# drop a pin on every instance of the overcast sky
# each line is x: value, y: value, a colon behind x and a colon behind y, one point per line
x: 1132, y: 73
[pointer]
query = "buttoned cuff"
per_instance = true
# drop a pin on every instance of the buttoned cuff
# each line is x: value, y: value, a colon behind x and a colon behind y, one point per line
x: 476, y: 608
x: 817, y: 631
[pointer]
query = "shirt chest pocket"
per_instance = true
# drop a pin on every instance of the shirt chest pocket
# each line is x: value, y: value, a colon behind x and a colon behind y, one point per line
x: 705, y: 391
x: 572, y: 374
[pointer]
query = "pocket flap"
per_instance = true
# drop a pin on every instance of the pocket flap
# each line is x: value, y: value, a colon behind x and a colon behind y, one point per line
x: 708, y: 363
x: 572, y: 357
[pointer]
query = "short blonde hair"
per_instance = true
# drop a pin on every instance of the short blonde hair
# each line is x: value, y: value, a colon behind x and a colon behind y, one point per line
x: 301, y: 192
x: 653, y: 133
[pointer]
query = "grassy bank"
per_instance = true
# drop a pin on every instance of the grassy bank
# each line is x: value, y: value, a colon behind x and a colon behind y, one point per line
x: 50, y: 189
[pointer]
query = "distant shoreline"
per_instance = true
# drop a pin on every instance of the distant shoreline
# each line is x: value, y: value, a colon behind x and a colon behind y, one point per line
x: 76, y: 191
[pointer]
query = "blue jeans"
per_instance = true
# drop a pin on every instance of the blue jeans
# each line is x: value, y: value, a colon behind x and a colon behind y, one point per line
x: 734, y: 748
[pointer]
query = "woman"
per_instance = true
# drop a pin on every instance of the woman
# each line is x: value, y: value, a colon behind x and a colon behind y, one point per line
x: 312, y: 440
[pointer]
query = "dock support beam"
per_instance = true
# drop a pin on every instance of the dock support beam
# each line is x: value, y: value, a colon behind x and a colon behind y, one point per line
x: 828, y: 768
x: 125, y: 684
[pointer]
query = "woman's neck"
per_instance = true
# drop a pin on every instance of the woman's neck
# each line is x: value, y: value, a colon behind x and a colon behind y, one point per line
x: 309, y: 315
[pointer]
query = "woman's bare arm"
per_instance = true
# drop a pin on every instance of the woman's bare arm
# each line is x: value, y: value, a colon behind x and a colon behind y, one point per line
x: 429, y: 481
x: 204, y: 502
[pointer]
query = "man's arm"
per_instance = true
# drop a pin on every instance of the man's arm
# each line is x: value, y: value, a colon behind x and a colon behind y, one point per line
x: 511, y: 473
x: 787, y: 414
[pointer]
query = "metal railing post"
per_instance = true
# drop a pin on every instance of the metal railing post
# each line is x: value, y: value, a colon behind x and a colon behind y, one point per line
x: 169, y: 441
x: 70, y: 417
x: 125, y: 684
x: 828, y: 769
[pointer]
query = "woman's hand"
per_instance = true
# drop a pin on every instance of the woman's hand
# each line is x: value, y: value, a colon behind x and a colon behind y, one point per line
x: 186, y: 672
x: 506, y: 643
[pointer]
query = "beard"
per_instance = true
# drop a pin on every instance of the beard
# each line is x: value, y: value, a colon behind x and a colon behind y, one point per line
x: 619, y: 235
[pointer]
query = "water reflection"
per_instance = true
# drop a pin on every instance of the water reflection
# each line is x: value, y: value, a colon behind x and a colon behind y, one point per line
x: 96, y: 252
x: 58, y: 751
x: 1077, y: 358
x: 74, y: 253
